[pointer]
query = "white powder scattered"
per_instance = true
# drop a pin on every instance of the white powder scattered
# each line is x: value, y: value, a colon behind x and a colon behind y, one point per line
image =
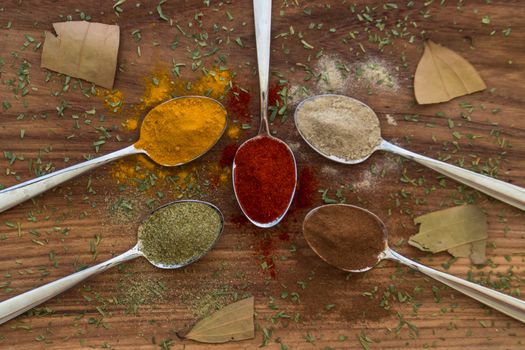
x: 390, y: 120
x: 376, y: 74
x: 295, y: 146
x: 328, y: 170
x: 332, y: 78
x: 364, y: 181
x: 297, y: 93
x: 377, y: 172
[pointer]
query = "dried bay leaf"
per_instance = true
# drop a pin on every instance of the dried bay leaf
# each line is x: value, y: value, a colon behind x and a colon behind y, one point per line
x: 449, y: 228
x: 473, y: 250
x: 442, y: 75
x: 232, y: 323
x: 85, y: 50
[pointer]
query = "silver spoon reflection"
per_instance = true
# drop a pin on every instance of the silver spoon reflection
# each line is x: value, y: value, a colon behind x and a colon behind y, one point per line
x: 505, y: 192
x: 15, y: 306
x: 340, y: 256
x: 262, y: 16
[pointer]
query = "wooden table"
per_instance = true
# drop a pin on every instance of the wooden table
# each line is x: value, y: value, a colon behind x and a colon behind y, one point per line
x: 300, y: 301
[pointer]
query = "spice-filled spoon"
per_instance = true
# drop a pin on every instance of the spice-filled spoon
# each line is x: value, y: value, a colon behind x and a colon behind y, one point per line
x: 173, y: 236
x: 355, y: 240
x: 347, y: 131
x: 264, y: 172
x: 170, y: 135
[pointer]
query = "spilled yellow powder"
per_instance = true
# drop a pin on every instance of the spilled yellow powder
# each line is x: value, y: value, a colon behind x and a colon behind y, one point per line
x: 158, y: 89
x: 225, y: 175
x: 113, y: 99
x: 233, y: 131
x: 212, y: 85
x: 162, y: 87
x: 131, y: 124
x: 218, y: 175
x: 136, y: 169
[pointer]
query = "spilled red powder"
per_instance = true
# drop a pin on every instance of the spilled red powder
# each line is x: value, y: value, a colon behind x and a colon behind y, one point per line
x: 274, y: 98
x: 266, y: 248
x: 306, y: 188
x: 238, y: 103
x: 239, y: 220
x: 228, y: 153
x: 284, y: 236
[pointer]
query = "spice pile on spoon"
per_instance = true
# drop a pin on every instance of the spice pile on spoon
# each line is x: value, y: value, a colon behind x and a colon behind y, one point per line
x: 347, y: 131
x: 173, y: 133
x: 173, y: 236
x: 355, y: 240
x: 264, y: 170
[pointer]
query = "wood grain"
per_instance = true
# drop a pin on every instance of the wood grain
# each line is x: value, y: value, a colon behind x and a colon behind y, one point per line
x: 89, y: 315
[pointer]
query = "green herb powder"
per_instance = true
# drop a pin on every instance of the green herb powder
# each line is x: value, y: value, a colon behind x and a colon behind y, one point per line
x: 180, y: 232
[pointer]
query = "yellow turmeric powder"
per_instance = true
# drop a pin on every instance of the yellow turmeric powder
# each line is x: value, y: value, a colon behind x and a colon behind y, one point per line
x: 162, y: 87
x: 182, y: 129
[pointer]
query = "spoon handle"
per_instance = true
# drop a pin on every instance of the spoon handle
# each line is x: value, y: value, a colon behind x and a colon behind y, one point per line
x: 504, y: 303
x: 262, y: 14
x: 15, y: 306
x: 505, y: 192
x: 17, y: 194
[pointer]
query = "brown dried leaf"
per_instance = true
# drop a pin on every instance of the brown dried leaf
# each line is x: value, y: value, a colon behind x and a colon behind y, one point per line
x: 449, y: 228
x: 232, y: 323
x: 442, y: 75
x: 85, y: 50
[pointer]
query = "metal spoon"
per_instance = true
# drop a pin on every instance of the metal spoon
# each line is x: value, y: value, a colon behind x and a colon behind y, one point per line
x: 506, y: 304
x: 17, y: 194
x: 505, y: 192
x: 15, y: 306
x: 262, y: 12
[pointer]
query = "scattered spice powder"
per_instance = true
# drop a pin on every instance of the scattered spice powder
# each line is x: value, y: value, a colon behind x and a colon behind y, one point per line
x: 140, y: 171
x: 331, y: 76
x: 161, y: 87
x: 345, y: 236
x: 264, y: 178
x: 306, y: 188
x: 233, y: 131
x: 238, y: 103
x: 181, y: 130
x: 376, y: 73
x: 180, y: 232
x: 137, y: 167
x: 339, y: 126
x: 139, y: 289
x: 228, y: 154
x: 113, y: 99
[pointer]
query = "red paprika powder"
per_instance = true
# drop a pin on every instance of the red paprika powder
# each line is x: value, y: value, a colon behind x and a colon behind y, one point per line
x: 238, y: 103
x: 264, y: 178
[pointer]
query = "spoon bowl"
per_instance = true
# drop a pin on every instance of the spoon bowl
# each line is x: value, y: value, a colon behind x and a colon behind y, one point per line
x: 506, y: 192
x: 194, y: 258
x: 149, y: 120
x: 237, y: 195
x: 19, y: 304
x: 335, y: 158
x: 328, y: 254
x: 331, y: 245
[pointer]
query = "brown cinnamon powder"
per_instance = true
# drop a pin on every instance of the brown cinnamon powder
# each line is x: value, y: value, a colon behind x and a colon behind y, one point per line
x: 345, y: 236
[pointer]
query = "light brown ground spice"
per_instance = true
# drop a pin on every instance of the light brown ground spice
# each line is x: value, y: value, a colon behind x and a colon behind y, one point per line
x: 339, y: 126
